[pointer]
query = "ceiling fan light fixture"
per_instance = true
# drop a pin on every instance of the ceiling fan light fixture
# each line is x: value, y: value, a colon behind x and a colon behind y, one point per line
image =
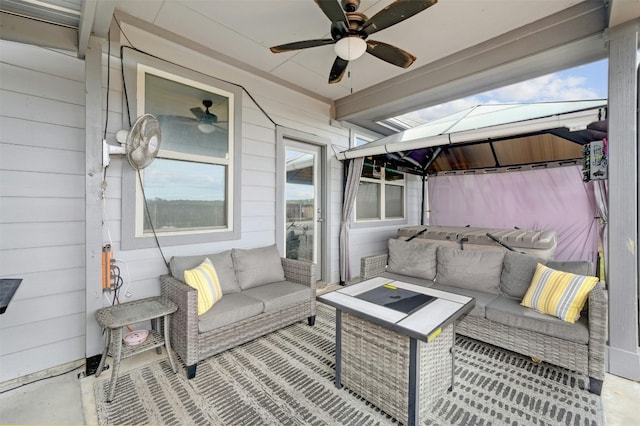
x: 206, y: 127
x: 350, y: 48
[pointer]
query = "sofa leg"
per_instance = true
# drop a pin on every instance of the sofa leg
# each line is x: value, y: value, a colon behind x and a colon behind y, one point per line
x: 312, y: 320
x: 595, y: 386
x: 191, y: 371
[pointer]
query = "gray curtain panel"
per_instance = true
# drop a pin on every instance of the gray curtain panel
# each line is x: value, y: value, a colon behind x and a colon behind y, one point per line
x: 350, y: 192
x: 601, y: 189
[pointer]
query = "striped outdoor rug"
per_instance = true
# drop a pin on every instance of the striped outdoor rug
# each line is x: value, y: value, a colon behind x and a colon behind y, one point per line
x: 287, y: 378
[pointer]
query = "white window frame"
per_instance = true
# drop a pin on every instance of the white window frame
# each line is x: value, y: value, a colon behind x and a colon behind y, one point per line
x: 382, y: 199
x: 133, y: 235
x: 143, y: 71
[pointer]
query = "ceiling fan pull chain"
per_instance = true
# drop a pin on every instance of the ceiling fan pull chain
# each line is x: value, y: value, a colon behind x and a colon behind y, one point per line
x: 350, y: 80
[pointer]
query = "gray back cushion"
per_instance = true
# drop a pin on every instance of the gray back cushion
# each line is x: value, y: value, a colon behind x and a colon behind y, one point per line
x: 222, y: 262
x: 578, y: 267
x: 517, y: 272
x: 258, y: 266
x: 478, y: 270
x: 414, y: 258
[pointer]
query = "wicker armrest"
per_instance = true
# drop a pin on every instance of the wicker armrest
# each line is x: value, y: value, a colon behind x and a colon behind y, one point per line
x: 598, y: 320
x: 372, y: 266
x: 299, y: 271
x: 184, y: 322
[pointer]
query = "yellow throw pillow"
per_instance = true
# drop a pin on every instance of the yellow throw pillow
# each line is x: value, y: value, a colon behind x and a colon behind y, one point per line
x: 558, y: 293
x: 204, y: 279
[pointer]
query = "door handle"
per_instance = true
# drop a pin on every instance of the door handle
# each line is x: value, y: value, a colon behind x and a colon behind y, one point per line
x: 320, y: 219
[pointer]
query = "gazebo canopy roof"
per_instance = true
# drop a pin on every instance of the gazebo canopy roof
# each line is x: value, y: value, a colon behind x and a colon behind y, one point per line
x: 493, y: 136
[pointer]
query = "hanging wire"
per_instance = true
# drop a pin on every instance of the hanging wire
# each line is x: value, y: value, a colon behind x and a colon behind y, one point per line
x: 153, y: 229
x: 135, y: 49
x: 106, y: 119
x: 126, y: 97
x: 350, y: 79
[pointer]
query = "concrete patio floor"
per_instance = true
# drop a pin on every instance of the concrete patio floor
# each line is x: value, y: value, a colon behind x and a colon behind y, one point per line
x: 68, y: 399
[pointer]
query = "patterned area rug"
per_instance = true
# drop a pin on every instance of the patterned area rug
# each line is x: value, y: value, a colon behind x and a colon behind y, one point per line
x: 286, y: 378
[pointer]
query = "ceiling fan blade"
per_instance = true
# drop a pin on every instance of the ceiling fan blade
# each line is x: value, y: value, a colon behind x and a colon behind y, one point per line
x: 198, y: 112
x: 337, y: 70
x: 333, y: 10
x: 388, y: 53
x: 396, y: 12
x: 297, y: 45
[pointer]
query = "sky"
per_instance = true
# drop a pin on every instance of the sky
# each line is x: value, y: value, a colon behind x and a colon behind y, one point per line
x: 167, y: 180
x: 580, y: 83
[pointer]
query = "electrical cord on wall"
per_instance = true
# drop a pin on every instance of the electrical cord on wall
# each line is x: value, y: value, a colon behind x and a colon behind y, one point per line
x: 153, y: 229
x: 135, y: 49
x: 118, y: 281
x: 126, y: 98
x: 106, y: 118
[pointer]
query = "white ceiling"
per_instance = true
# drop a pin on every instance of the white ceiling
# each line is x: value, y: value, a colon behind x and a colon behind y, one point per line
x: 245, y: 29
x: 462, y: 46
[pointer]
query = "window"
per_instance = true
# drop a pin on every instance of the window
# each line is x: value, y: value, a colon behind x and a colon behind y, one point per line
x: 359, y: 140
x: 380, y: 194
x: 189, y: 188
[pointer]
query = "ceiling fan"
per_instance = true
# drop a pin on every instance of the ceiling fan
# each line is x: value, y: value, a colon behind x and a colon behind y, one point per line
x: 350, y: 29
x: 207, y: 121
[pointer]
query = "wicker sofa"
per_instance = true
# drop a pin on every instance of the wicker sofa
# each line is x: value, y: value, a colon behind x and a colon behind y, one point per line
x: 498, y: 278
x: 262, y: 292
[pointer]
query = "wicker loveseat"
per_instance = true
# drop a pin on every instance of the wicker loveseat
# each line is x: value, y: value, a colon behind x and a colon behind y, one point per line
x: 262, y: 292
x: 498, y: 278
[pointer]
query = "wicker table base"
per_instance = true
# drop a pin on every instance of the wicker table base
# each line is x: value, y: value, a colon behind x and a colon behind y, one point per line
x: 394, y: 343
x: 113, y: 318
x: 376, y: 364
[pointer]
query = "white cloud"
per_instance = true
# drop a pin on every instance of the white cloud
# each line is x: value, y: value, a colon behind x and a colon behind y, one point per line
x: 551, y: 87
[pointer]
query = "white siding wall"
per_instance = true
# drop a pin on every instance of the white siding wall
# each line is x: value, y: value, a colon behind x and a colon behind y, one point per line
x: 42, y: 204
x: 288, y: 108
x: 41, y: 207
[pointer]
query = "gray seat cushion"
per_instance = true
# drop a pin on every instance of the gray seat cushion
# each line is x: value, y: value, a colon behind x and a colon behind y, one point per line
x: 230, y: 309
x: 416, y: 258
x: 221, y: 261
x: 257, y: 266
x: 482, y: 298
x: 508, y: 311
x: 407, y: 279
x: 470, y: 269
x: 277, y: 296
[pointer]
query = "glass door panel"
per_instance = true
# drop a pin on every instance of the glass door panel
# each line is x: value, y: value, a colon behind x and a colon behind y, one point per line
x: 301, y: 205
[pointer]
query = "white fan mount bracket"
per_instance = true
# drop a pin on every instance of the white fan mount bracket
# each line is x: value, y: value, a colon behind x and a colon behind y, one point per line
x: 140, y: 144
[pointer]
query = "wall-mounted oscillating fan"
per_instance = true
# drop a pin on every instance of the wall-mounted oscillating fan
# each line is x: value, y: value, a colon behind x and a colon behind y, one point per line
x: 140, y: 144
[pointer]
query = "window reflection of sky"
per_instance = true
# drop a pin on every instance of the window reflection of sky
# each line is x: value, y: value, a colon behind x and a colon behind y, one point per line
x: 182, y: 180
x: 299, y: 192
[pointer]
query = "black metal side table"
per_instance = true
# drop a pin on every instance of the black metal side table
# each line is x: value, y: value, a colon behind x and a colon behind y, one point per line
x: 113, y: 318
